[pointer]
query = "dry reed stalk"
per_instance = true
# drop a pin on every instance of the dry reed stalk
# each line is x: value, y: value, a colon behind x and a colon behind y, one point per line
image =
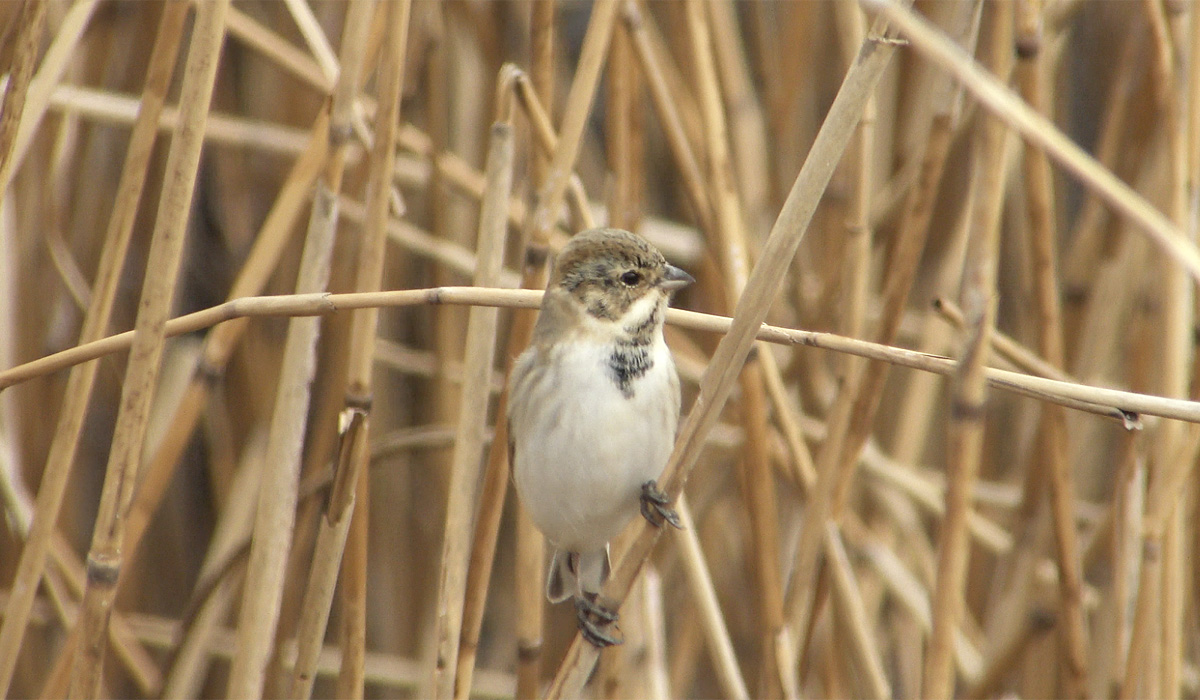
x: 315, y: 39
x: 656, y: 646
x: 274, y: 236
x: 747, y: 124
x: 421, y: 242
x: 68, y: 573
x: 757, y: 479
x: 221, y: 573
x: 857, y: 243
x: 1030, y: 73
x: 1184, y: 145
x: 1152, y: 667
x: 26, y: 97
x: 106, y: 106
x: 1173, y: 603
x: 929, y: 496
x: 914, y: 597
x: 712, y: 622
x: 472, y: 420
x: 1010, y: 653
x: 575, y: 113
x: 440, y: 215
x: 625, y: 144
x: 364, y: 327
x: 752, y: 308
x: 494, y: 485
x: 1086, y: 234
x: 30, y: 21
x: 1038, y: 130
x: 666, y: 104
x: 530, y: 558
x: 847, y: 612
x: 787, y: 413
x: 272, y: 46
x: 335, y: 525
x: 968, y: 402
x: 352, y: 576
x: 1073, y: 395
x: 80, y: 383
x: 864, y: 652
x: 105, y: 556
x: 387, y: 671
x: 278, y: 490
x: 1021, y: 357
x: 547, y: 139
x: 853, y: 412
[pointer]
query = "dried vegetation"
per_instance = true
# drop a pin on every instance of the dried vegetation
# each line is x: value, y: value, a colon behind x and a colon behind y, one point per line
x: 970, y: 474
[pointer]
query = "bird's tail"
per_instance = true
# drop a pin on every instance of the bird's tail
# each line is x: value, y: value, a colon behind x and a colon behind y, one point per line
x: 574, y: 573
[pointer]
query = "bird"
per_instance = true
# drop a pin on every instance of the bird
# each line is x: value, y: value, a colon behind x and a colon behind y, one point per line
x: 593, y: 410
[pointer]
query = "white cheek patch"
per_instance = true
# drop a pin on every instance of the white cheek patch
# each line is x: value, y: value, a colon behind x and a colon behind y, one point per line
x: 640, y: 310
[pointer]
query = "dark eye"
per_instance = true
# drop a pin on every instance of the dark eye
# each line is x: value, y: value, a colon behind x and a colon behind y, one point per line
x: 631, y: 278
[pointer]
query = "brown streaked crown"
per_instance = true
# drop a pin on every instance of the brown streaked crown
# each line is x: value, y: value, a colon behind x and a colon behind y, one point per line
x: 607, y: 270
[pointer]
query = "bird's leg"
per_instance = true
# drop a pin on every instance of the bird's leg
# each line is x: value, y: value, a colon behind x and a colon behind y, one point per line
x: 654, y: 506
x: 592, y: 616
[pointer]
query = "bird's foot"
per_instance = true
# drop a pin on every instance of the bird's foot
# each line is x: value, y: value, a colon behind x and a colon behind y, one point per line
x: 654, y: 506
x: 592, y: 618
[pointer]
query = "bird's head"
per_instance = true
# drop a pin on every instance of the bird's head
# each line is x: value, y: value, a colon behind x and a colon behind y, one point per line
x: 616, y: 276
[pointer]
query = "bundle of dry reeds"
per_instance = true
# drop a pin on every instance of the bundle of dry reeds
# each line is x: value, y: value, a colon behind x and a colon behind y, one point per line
x: 938, y: 368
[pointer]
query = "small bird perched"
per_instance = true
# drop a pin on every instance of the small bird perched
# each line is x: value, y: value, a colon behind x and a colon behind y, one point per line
x: 593, y: 409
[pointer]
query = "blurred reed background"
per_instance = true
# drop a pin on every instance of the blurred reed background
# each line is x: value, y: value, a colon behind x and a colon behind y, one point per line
x: 177, y: 512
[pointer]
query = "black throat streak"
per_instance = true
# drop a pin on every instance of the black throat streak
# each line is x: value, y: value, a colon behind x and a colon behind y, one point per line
x: 628, y: 362
x: 630, y: 358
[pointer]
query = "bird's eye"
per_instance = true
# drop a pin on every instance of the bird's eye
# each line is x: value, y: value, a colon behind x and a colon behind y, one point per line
x: 631, y: 278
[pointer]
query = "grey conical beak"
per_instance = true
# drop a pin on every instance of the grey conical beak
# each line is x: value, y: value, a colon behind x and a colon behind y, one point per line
x: 674, y: 278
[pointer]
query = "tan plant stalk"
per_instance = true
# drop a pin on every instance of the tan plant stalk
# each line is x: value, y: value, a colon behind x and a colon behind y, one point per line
x: 1086, y: 235
x: 1079, y: 396
x: 473, y: 412
x: 364, y: 328
x: 105, y: 556
x: 1055, y: 450
x: 623, y: 671
x: 1038, y: 130
x: 352, y: 576
x: 863, y: 650
x: 68, y: 572
x: 335, y: 525
x: 720, y: 646
x: 222, y: 573
x: 751, y: 310
x: 30, y: 21
x: 969, y: 397
x: 747, y: 123
x: 270, y: 244
x: 26, y: 98
x: 82, y: 378
x: 278, y: 490
x: 853, y: 412
x: 665, y: 102
x: 1152, y: 668
x: 757, y: 478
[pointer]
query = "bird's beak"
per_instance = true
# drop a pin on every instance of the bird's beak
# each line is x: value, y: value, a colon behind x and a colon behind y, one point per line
x: 674, y: 278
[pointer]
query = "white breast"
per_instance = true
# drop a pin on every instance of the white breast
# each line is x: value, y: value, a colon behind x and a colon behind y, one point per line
x: 582, y: 448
